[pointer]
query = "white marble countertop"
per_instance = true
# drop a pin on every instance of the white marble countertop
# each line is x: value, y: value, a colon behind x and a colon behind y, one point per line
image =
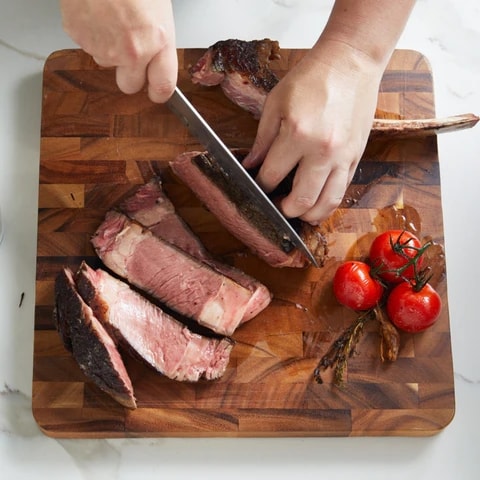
x: 448, y: 34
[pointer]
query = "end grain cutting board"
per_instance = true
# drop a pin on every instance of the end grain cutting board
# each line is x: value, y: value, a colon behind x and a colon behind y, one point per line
x: 98, y: 145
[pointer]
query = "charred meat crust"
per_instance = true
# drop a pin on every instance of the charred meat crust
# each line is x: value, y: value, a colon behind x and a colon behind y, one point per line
x: 313, y: 238
x: 249, y: 58
x: 251, y: 231
x: 90, y: 344
x: 250, y: 211
x: 66, y: 307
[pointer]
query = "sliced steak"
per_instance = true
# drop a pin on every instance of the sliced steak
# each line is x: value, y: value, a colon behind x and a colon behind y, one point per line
x: 242, y: 70
x: 153, y: 335
x: 151, y: 207
x: 183, y: 283
x: 90, y: 344
x: 239, y: 216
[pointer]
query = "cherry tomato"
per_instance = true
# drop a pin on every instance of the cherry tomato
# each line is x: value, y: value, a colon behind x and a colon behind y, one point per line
x: 354, y: 287
x: 390, y: 252
x: 413, y: 311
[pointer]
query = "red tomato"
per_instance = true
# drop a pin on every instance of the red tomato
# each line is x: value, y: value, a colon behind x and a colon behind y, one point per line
x: 413, y: 311
x: 390, y: 252
x: 354, y: 287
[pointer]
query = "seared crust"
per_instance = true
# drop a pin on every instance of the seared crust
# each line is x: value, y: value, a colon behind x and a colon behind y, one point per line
x: 251, y: 59
x: 88, y: 341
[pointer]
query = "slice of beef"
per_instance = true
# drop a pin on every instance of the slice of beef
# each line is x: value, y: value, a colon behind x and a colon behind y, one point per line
x: 240, y: 217
x: 153, y: 335
x: 90, y: 344
x: 180, y: 281
x: 151, y: 207
x: 242, y: 70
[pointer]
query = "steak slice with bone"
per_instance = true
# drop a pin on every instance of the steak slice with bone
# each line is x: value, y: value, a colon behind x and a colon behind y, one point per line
x: 156, y: 337
x: 239, y: 216
x: 242, y: 70
x: 151, y: 207
x: 183, y: 283
x: 88, y: 341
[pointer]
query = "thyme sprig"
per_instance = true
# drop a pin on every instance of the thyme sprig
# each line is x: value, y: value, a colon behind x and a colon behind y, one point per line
x: 342, y: 349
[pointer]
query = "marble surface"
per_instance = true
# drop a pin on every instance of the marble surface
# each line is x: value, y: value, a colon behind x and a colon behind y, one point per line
x: 448, y: 33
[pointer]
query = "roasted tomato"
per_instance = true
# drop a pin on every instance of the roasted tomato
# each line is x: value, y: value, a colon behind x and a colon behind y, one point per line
x: 354, y: 287
x: 413, y: 310
x: 391, y: 252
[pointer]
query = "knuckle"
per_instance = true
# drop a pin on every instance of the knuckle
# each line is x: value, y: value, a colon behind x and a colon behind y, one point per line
x: 294, y: 205
x: 273, y: 175
x: 162, y: 37
x: 298, y: 128
x: 304, y: 201
x: 322, y: 139
x: 135, y: 51
x: 329, y: 143
x: 140, y: 47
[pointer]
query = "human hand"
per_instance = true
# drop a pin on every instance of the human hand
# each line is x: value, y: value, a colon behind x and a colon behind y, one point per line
x: 318, y: 118
x: 135, y: 36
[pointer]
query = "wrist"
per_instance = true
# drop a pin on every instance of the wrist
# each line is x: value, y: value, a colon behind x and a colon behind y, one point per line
x: 347, y: 59
x: 368, y: 29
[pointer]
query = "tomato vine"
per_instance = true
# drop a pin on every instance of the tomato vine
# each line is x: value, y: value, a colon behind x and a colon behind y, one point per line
x: 411, y: 303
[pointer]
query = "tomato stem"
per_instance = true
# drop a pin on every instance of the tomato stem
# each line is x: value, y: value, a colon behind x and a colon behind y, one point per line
x: 420, y: 277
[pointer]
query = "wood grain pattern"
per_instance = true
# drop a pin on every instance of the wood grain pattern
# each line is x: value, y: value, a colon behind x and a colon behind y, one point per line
x: 98, y: 145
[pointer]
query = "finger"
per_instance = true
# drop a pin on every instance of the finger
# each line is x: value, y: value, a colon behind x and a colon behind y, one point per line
x: 162, y: 74
x: 131, y: 79
x: 308, y: 182
x: 351, y: 171
x: 268, y: 129
x: 329, y: 198
x: 281, y: 158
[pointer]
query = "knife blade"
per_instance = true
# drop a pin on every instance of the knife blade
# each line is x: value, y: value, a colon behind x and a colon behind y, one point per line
x: 196, y: 124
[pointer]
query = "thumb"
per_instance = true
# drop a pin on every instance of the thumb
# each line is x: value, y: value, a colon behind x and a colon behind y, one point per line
x: 162, y: 75
x: 163, y: 67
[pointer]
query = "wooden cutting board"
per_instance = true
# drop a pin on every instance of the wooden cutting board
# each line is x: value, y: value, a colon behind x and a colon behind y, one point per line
x: 98, y: 145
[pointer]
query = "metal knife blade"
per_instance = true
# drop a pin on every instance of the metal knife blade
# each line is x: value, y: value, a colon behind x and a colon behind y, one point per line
x: 198, y: 127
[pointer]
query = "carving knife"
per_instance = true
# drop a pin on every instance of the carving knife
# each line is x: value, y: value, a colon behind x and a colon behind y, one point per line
x: 237, y: 174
